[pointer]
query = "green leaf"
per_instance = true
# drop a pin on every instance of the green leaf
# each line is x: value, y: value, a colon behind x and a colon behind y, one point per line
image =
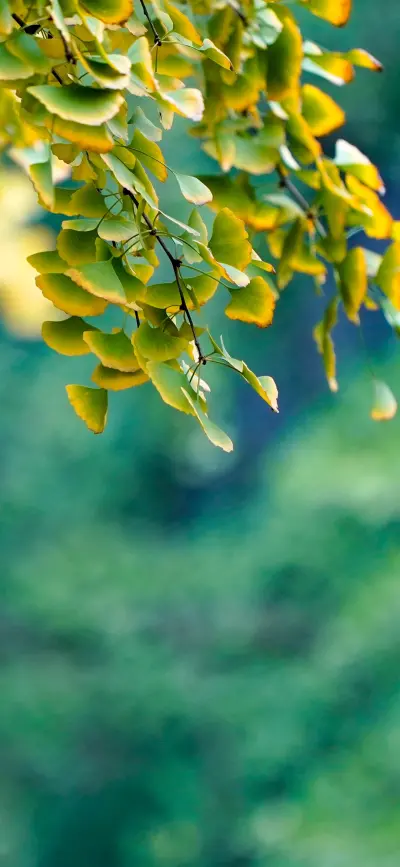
x: 77, y: 248
x: 28, y: 50
x: 265, y: 387
x: 228, y: 243
x: 352, y: 160
x: 86, y: 105
x: 100, y: 279
x: 384, y: 405
x: 90, y: 404
x: 215, y: 54
x: 109, y: 11
x: 193, y: 190
x: 113, y: 350
x: 388, y: 276
x: 158, y: 344
x: 119, y: 229
x: 353, y: 282
x: 150, y: 154
x: 12, y: 68
x: 6, y: 22
x: 216, y: 436
x: 48, y: 262
x: 68, y: 297
x: 116, y: 380
x: 170, y: 384
x: 88, y: 202
x: 254, y: 303
x: 284, y: 60
x: 66, y: 337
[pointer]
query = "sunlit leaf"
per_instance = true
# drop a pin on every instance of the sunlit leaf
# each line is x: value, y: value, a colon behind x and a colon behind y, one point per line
x: 77, y: 248
x: 170, y: 384
x: 117, y: 380
x: 216, y: 436
x: 352, y: 160
x: 109, y: 11
x: 384, y: 405
x: 66, y: 337
x: 100, y: 279
x: 193, y: 190
x: 158, y: 344
x: 335, y: 11
x: 88, y: 105
x: 321, y: 112
x: 254, y: 303
x: 90, y: 404
x: 68, y: 296
x: 113, y: 350
x: 353, y: 282
x: 229, y: 242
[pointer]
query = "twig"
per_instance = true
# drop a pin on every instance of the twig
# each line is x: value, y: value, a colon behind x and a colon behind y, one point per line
x: 301, y: 200
x: 176, y: 264
x: 157, y: 39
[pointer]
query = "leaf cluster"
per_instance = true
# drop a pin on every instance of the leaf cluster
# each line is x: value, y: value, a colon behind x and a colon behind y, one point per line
x: 95, y: 86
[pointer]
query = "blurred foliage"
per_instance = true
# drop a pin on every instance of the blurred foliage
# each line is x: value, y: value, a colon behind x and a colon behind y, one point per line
x: 203, y: 696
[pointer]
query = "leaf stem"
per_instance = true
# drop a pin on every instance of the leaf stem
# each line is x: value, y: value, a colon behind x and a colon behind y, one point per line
x: 300, y: 199
x: 176, y: 264
x: 157, y: 40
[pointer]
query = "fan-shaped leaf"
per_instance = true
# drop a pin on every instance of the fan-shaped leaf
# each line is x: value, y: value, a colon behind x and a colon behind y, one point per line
x: 90, y: 404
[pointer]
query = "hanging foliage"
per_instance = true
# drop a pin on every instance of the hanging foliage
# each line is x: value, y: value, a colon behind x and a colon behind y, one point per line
x: 97, y: 85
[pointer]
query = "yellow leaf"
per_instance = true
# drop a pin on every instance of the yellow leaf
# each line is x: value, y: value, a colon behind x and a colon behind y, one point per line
x: 90, y: 404
x: 353, y: 282
x: 254, y: 303
x: 384, y: 404
x: 321, y: 112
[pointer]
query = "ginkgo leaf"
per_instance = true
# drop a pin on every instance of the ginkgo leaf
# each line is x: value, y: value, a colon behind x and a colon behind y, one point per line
x: 193, y: 190
x: 28, y: 50
x: 66, y: 337
x: 68, y: 297
x: 335, y: 11
x: 384, y: 405
x: 109, y: 11
x: 90, y: 138
x: 48, y: 262
x: 321, y: 112
x: 150, y: 154
x: 388, y: 276
x: 90, y: 404
x: 169, y: 382
x: 187, y: 102
x: 228, y: 243
x: 113, y: 350
x: 351, y: 159
x: 117, y: 380
x: 265, y: 386
x: 353, y: 282
x: 254, y: 303
x: 360, y: 57
x: 87, y: 105
x: 77, y: 248
x: 216, y: 436
x: 88, y: 202
x: 284, y: 60
x: 158, y: 344
x: 100, y: 279
x: 6, y: 21
x: 41, y: 176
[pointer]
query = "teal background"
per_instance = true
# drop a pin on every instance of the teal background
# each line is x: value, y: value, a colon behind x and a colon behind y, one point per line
x: 201, y: 651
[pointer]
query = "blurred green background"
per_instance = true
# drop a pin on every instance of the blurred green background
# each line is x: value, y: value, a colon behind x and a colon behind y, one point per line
x: 201, y: 651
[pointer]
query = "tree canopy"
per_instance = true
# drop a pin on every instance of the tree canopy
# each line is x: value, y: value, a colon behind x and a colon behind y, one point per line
x: 95, y: 86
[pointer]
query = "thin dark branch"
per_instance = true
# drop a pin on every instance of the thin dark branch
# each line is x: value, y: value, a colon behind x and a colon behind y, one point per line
x: 157, y: 39
x: 300, y: 199
x: 176, y: 264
